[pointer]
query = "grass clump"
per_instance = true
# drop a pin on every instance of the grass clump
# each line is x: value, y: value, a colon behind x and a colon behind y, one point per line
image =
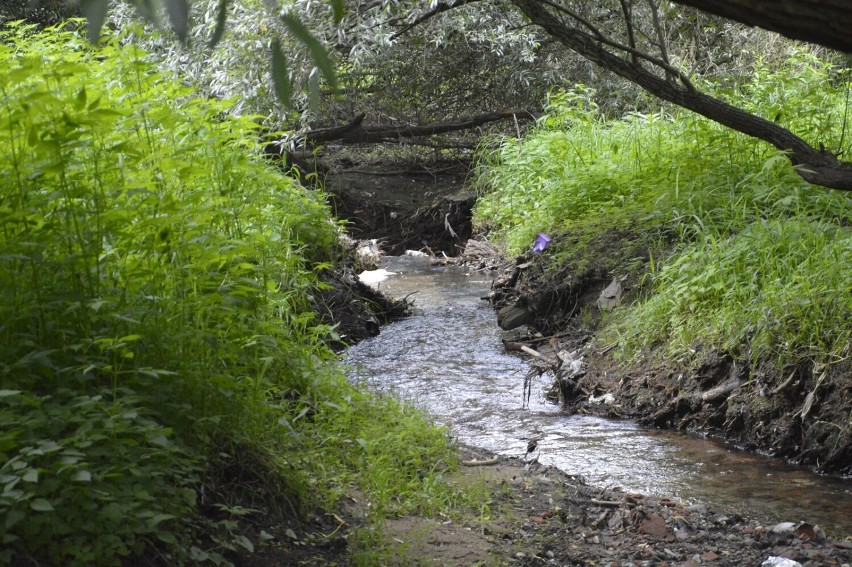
x: 743, y: 255
x: 156, y: 280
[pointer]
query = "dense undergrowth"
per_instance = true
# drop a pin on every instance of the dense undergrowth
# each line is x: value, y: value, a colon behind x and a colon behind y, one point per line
x: 157, y: 344
x: 740, y: 255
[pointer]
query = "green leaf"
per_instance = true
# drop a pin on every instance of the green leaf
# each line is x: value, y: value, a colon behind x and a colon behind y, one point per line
x: 95, y: 13
x: 41, y: 505
x: 7, y: 393
x: 179, y: 17
x: 81, y: 476
x: 318, y: 52
x: 157, y: 519
x: 219, y: 30
x: 338, y: 7
x: 244, y: 542
x: 13, y: 517
x: 30, y: 476
x: 80, y: 101
x: 280, y: 75
x: 314, y: 91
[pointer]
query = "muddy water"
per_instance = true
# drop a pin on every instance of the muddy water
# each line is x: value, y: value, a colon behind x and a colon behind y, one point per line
x: 449, y: 360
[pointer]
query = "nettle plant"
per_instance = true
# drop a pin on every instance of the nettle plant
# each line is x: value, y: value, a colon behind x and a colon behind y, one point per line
x: 155, y: 278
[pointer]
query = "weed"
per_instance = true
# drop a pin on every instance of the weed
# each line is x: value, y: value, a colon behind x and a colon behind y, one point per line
x: 742, y: 255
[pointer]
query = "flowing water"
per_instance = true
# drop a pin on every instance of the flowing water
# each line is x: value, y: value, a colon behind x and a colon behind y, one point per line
x: 450, y: 361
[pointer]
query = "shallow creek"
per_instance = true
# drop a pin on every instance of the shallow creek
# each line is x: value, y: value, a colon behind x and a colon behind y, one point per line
x: 450, y: 361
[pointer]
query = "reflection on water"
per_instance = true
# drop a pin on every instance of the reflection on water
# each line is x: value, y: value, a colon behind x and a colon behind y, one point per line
x: 449, y: 360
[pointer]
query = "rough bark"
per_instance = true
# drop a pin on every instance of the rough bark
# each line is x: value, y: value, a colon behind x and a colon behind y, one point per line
x: 815, y: 166
x: 356, y: 133
x: 824, y: 22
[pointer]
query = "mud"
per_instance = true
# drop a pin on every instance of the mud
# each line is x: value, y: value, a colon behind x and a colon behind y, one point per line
x: 535, y: 516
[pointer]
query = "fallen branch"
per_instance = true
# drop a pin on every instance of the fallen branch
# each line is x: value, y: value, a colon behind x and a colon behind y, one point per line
x: 356, y: 133
x: 535, y: 353
x: 719, y: 391
x: 593, y: 502
x: 484, y: 463
x: 786, y: 383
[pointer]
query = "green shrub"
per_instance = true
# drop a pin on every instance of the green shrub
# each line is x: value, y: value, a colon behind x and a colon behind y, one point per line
x: 155, y: 277
x: 87, y: 480
x: 756, y: 265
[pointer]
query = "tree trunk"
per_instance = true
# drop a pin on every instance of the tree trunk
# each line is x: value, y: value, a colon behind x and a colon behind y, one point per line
x: 825, y: 22
x: 815, y: 166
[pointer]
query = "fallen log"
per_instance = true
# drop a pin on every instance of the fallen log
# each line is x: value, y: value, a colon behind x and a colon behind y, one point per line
x: 355, y: 132
x: 513, y: 316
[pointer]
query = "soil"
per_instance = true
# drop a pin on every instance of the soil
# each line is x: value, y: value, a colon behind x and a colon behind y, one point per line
x: 407, y: 205
x: 534, y: 515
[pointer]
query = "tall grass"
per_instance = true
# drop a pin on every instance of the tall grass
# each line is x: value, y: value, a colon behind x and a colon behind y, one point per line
x: 758, y: 258
x: 156, y: 278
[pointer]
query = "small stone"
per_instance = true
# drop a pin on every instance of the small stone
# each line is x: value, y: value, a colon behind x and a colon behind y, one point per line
x: 783, y: 528
x: 809, y: 532
x: 654, y: 526
x: 709, y: 556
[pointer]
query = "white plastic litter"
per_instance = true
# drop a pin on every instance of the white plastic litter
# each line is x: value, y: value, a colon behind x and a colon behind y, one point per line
x: 773, y: 561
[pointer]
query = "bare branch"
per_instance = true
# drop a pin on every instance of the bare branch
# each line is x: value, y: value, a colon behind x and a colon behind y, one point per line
x: 598, y: 36
x: 661, y: 38
x: 441, y: 7
x: 356, y: 133
x: 628, y: 21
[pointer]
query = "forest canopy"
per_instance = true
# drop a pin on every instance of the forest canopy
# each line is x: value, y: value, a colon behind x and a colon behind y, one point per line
x: 405, y: 65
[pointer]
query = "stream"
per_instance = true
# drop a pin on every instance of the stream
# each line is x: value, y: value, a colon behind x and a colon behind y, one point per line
x: 449, y: 360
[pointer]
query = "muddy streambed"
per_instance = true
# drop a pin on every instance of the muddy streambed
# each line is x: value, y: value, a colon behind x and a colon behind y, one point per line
x: 449, y: 360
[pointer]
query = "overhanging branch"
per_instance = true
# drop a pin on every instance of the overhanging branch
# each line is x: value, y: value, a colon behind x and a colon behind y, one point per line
x: 357, y: 133
x: 817, y: 21
x: 815, y: 166
x: 441, y: 7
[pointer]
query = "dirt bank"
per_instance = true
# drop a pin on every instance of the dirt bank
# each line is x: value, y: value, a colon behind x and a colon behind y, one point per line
x: 535, y: 516
x: 404, y: 205
x: 800, y: 413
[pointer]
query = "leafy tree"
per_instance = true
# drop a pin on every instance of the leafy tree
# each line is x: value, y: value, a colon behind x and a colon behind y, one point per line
x: 410, y: 63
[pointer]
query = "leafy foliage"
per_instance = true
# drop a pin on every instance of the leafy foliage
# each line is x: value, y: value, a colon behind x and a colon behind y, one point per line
x: 152, y: 273
x: 759, y: 256
x: 156, y: 278
x: 89, y: 480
